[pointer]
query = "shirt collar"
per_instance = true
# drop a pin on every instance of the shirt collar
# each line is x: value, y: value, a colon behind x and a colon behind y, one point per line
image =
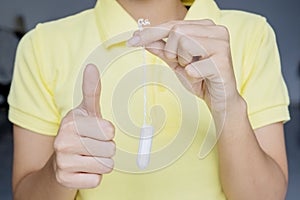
x: 115, y: 25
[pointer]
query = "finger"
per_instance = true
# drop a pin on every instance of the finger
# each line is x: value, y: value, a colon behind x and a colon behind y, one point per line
x: 91, y: 89
x: 151, y: 34
x: 172, y: 44
x: 158, y: 48
x: 91, y: 127
x: 94, y: 128
x: 199, y: 30
x: 186, y: 49
x: 90, y: 147
x: 204, y: 22
x: 185, y: 33
x: 73, y: 143
x: 184, y: 55
x: 86, y: 164
x: 96, y: 165
x: 184, y: 78
x: 204, y: 69
x: 190, y: 50
x: 78, y: 180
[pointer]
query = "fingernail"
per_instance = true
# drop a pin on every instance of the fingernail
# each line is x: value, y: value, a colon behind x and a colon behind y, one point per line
x: 192, y: 71
x: 134, y: 41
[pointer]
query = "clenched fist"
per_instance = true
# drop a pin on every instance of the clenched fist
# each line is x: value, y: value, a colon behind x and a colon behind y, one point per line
x: 84, y: 145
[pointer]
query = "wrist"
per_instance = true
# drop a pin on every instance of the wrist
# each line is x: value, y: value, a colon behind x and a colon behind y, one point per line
x: 235, y: 113
x: 236, y: 107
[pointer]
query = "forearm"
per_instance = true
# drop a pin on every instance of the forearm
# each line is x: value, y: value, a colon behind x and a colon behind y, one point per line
x: 42, y: 184
x: 247, y: 172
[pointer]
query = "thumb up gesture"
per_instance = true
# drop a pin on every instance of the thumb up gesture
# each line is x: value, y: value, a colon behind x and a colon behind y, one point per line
x: 84, y: 145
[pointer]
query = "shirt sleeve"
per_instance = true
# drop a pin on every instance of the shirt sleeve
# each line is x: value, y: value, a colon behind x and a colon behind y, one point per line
x: 31, y: 101
x: 263, y: 86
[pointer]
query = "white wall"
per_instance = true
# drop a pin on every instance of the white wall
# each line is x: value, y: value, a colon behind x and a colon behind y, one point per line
x: 284, y: 16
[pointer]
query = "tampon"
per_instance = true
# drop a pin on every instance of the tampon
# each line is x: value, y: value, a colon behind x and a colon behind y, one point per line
x: 145, y: 145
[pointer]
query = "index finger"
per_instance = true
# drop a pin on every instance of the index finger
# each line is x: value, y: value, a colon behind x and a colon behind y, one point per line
x: 156, y: 33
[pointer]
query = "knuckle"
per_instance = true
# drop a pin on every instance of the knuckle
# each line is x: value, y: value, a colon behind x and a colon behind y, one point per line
x: 112, y: 148
x: 63, y: 163
x: 224, y: 58
x: 172, y: 22
x: 108, y: 170
x: 184, y: 42
x: 64, y: 145
x: 111, y: 164
x: 68, y: 117
x: 112, y: 129
x: 171, y: 55
x: 58, y: 145
x: 208, y: 21
x: 103, y: 166
x: 224, y: 47
x: 95, y: 181
x: 176, y: 29
x: 107, y: 165
x: 107, y: 129
x: 224, y: 31
x: 61, y: 179
x: 105, y: 169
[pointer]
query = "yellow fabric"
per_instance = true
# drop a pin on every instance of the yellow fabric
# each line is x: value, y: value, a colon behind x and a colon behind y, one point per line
x: 47, y: 84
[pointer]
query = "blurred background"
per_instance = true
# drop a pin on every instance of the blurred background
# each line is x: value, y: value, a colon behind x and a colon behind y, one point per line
x: 19, y: 16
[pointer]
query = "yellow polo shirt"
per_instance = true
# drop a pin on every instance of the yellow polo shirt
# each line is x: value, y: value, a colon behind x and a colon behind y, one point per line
x: 184, y: 161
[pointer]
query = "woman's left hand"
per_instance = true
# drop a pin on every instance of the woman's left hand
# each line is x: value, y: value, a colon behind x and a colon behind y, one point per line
x: 199, y: 53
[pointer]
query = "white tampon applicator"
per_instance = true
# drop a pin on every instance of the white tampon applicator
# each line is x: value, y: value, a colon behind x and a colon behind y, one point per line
x: 147, y: 131
x: 145, y: 145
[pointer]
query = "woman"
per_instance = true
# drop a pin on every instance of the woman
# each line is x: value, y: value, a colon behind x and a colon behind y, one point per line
x: 227, y: 58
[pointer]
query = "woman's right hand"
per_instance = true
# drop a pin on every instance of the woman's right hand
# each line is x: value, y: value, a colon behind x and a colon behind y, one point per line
x: 84, y: 146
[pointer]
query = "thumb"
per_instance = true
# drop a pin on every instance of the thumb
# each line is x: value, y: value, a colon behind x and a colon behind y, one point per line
x: 91, y: 90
